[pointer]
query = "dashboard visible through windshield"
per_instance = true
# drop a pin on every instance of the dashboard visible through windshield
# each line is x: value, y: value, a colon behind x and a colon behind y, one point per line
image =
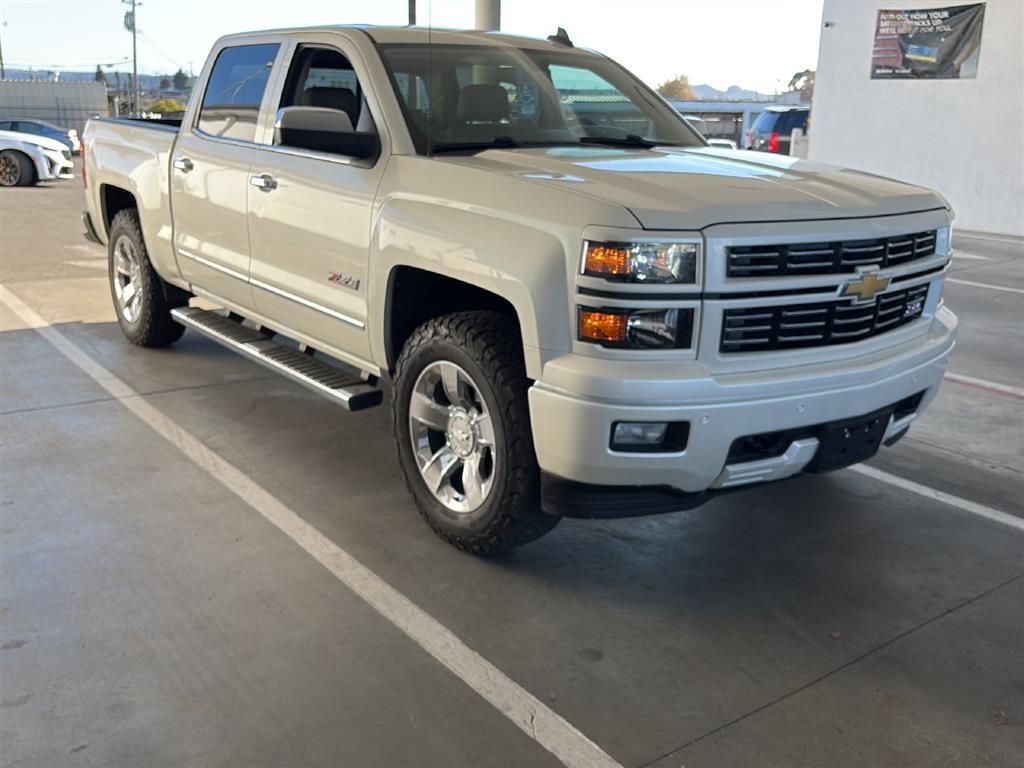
x: 467, y: 98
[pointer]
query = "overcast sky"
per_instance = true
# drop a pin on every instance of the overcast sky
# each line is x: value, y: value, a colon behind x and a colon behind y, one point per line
x: 757, y: 44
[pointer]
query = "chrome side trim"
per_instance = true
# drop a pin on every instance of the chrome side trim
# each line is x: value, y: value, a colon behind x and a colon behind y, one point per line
x: 273, y: 289
x: 213, y: 265
x: 307, y: 303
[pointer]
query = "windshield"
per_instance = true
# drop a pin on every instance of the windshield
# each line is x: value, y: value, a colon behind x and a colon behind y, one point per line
x: 465, y: 97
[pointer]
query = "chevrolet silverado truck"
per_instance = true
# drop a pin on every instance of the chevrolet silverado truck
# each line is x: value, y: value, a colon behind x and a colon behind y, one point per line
x: 578, y: 308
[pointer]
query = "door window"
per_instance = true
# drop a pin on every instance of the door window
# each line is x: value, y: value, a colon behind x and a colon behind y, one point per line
x: 323, y: 78
x: 231, y: 104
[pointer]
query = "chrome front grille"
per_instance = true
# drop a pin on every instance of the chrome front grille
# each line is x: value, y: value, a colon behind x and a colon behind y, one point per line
x: 794, y: 326
x: 827, y: 257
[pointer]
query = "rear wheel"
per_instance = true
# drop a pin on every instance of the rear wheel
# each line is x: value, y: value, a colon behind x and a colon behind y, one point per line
x: 462, y: 426
x: 16, y: 169
x: 143, y: 301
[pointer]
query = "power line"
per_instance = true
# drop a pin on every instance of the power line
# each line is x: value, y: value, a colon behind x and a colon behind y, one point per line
x: 160, y: 52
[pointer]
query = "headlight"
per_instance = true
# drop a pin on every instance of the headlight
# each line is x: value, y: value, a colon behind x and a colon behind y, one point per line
x: 642, y: 262
x: 943, y: 240
x: 637, y: 328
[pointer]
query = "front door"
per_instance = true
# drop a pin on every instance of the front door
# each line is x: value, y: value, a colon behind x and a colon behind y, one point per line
x: 210, y: 174
x: 310, y: 214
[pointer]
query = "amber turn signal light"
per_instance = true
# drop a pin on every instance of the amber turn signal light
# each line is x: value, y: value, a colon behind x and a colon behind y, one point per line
x: 606, y: 260
x: 603, y: 326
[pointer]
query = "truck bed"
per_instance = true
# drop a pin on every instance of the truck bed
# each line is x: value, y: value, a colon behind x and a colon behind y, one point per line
x: 133, y: 156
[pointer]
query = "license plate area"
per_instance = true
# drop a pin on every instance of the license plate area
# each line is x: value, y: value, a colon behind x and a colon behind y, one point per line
x: 850, y: 441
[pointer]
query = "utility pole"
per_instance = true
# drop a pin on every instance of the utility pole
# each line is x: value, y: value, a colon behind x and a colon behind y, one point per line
x: 488, y: 15
x: 412, y: 13
x: 3, y: 72
x: 131, y: 25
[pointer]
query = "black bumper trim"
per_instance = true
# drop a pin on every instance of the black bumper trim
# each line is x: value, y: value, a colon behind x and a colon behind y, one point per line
x: 567, y: 498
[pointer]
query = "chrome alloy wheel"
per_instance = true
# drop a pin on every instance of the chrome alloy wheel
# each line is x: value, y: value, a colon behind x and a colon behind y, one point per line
x: 10, y: 170
x: 127, y: 278
x: 452, y: 437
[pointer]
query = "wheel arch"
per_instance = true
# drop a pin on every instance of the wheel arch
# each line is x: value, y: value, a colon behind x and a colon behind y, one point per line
x: 113, y: 200
x: 453, y: 259
x: 415, y: 295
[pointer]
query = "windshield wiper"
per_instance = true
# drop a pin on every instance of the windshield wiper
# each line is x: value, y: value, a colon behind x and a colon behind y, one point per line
x: 498, y: 142
x: 632, y: 140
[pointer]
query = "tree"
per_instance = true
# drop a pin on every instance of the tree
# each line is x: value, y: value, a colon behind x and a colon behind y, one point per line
x: 164, y: 106
x: 678, y: 88
x: 165, y: 83
x: 803, y: 81
x: 181, y: 80
x: 100, y: 76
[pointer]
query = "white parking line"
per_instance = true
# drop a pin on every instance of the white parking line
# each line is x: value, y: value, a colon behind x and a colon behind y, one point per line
x: 536, y: 719
x: 991, y: 287
x: 948, y: 499
x: 957, y: 255
x: 991, y: 386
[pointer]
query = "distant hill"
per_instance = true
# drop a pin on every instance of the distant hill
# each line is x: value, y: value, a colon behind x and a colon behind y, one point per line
x: 148, y: 82
x: 732, y: 93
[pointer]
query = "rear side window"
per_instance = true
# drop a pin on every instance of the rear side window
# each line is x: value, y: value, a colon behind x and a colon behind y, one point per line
x: 793, y: 119
x: 765, y: 122
x: 781, y: 122
x: 231, y: 104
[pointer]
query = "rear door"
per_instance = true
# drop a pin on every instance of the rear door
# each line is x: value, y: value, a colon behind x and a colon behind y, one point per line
x: 210, y: 171
x: 310, y: 211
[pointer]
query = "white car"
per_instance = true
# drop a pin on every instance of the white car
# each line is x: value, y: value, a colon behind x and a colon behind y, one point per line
x: 26, y: 159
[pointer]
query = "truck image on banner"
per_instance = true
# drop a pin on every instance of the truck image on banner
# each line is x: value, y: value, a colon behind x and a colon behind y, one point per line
x: 928, y: 44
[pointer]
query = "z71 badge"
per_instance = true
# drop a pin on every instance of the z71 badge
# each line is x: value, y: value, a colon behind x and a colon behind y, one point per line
x: 345, y: 281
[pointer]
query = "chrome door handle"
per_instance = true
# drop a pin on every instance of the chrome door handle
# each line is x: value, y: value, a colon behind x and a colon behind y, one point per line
x: 183, y: 164
x: 266, y: 182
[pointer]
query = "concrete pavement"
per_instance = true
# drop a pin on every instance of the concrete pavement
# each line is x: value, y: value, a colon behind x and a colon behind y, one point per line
x: 149, y: 616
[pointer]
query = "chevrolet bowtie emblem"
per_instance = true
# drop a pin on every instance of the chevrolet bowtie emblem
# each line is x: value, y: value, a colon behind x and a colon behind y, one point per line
x: 866, y: 286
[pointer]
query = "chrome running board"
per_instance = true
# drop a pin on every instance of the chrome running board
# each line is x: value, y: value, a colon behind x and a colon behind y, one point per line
x: 343, y: 388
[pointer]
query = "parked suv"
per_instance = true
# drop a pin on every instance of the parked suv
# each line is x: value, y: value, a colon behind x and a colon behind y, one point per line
x: 774, y: 126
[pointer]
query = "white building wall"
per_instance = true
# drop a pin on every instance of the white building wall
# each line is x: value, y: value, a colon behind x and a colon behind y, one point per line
x: 66, y: 103
x: 964, y: 138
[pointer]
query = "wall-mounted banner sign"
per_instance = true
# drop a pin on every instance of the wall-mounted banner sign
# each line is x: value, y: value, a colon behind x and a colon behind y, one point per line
x: 928, y: 43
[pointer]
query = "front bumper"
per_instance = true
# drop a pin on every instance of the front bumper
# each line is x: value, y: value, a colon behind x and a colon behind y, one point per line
x: 571, y: 430
x: 54, y: 166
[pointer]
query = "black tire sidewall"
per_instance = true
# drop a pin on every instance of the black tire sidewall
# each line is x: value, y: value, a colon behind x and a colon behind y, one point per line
x: 479, y: 520
x: 154, y: 326
x: 118, y: 229
x: 24, y: 168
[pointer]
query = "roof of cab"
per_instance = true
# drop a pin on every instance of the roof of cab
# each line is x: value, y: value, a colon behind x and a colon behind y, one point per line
x: 424, y: 35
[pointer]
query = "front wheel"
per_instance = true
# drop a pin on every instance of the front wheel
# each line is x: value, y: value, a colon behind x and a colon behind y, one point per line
x: 462, y: 426
x: 16, y: 169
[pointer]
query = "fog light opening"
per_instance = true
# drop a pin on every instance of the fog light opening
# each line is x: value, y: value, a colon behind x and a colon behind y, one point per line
x: 649, y: 436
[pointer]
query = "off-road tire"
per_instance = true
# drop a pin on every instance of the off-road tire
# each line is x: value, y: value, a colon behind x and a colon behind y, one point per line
x: 24, y: 172
x: 154, y: 326
x: 487, y: 346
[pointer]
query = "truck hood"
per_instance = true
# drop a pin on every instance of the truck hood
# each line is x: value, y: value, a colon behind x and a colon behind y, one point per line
x: 30, y: 138
x: 675, y: 188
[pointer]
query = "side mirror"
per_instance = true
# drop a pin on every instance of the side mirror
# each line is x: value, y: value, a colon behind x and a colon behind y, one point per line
x: 322, y: 129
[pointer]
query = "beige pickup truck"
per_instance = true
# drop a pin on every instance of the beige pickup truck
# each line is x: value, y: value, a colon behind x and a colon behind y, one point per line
x: 577, y: 306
